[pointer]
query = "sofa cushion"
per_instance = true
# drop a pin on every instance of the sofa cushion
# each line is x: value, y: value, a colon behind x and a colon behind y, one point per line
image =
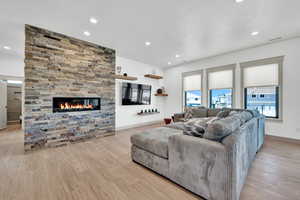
x: 195, y: 127
x: 245, y: 116
x: 221, y: 128
x: 213, y: 112
x: 195, y: 112
x: 155, y: 140
x: 223, y: 114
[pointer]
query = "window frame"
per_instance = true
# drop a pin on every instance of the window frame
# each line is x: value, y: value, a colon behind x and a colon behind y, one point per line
x: 233, y: 89
x: 279, y: 97
x: 183, y: 97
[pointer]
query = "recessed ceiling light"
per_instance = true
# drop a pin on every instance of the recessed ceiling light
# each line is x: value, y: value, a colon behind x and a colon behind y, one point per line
x: 147, y: 43
x: 169, y: 63
x: 255, y: 33
x: 239, y: 1
x: 177, y: 55
x: 7, y: 47
x: 86, y: 33
x: 93, y: 20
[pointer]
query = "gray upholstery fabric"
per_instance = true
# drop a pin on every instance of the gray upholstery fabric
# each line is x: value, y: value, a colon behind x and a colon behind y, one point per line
x: 213, y: 170
x: 199, y: 165
x: 179, y: 117
x: 153, y: 162
x: 195, y: 112
x: 155, y: 140
x: 261, y: 131
x: 213, y: 112
x: 221, y: 128
x: 223, y: 114
x: 245, y: 116
x: 195, y: 126
x: 243, y: 147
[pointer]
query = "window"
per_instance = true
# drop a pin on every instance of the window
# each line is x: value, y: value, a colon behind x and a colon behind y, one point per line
x: 220, y: 98
x: 192, y: 89
x: 192, y: 98
x: 267, y: 104
x: 221, y: 86
x: 261, y: 83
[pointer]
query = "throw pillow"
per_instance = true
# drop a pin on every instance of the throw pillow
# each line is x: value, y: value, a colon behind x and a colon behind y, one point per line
x: 221, y: 128
x: 188, y: 114
x: 223, y: 114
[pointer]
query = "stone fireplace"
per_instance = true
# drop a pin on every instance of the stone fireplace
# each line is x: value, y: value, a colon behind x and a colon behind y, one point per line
x: 69, y: 89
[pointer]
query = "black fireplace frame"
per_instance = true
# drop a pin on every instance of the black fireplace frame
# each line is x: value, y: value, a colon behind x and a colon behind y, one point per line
x: 57, y: 99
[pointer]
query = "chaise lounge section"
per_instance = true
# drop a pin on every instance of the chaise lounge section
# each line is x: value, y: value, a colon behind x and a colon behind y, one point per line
x: 214, y: 168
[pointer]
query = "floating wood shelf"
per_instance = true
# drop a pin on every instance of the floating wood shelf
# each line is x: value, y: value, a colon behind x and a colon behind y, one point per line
x: 153, y: 76
x: 161, y: 95
x: 148, y: 113
x: 131, y: 78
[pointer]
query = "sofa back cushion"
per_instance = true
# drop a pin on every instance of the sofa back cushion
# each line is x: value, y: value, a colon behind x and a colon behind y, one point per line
x: 195, y: 112
x: 223, y: 114
x: 221, y: 128
x: 213, y: 112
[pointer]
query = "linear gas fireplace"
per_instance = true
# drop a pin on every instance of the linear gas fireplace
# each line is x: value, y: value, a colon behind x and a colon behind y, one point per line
x: 75, y: 104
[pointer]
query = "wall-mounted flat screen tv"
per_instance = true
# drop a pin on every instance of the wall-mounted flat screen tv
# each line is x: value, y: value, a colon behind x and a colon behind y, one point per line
x: 136, y: 94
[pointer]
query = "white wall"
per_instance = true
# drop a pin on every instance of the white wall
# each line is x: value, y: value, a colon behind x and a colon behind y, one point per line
x: 290, y: 126
x: 126, y: 116
x: 11, y: 65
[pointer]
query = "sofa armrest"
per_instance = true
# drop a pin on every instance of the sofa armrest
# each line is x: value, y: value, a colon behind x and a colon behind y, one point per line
x: 199, y: 165
x: 178, y: 117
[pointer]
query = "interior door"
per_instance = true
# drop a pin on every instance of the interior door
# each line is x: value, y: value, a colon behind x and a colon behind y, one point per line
x: 3, y: 104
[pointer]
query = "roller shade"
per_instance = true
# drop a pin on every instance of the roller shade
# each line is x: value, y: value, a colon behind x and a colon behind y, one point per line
x: 263, y: 75
x: 220, y: 79
x: 192, y: 82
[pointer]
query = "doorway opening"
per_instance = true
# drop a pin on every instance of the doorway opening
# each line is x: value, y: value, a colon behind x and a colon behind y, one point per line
x: 10, y: 102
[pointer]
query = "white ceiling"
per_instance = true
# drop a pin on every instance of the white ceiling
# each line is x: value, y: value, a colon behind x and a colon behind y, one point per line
x: 192, y: 28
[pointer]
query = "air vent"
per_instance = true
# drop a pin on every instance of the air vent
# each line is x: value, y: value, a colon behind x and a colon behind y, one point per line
x: 275, y: 39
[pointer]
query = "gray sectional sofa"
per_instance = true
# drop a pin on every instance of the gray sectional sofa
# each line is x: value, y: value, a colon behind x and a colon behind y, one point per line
x: 212, y: 163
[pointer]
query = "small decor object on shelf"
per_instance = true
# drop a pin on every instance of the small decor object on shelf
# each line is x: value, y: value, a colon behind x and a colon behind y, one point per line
x: 156, y: 110
x: 119, y: 70
x: 142, y: 111
x: 159, y: 91
x: 125, y: 74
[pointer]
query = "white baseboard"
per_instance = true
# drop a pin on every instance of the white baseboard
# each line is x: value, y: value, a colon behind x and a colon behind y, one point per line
x: 138, y: 125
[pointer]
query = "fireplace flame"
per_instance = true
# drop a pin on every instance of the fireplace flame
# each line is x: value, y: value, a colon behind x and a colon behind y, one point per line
x: 66, y: 106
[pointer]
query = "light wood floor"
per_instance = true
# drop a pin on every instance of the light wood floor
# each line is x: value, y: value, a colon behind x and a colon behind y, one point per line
x: 101, y: 169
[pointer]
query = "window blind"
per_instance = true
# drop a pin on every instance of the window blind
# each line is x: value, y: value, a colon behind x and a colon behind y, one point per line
x: 192, y: 82
x: 263, y: 75
x: 220, y: 79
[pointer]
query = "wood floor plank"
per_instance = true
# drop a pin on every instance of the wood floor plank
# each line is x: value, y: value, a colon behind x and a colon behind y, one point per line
x: 101, y: 169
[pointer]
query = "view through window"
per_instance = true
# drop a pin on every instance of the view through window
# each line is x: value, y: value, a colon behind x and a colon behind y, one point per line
x: 220, y: 98
x: 263, y: 99
x: 193, y: 98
